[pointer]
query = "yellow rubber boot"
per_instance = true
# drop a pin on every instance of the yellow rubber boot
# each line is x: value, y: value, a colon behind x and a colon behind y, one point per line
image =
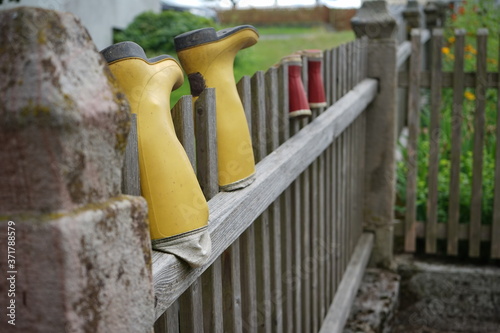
x: 207, y: 57
x: 178, y: 211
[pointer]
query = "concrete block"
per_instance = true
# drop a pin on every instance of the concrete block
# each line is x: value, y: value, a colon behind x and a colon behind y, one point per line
x: 83, y: 271
x: 63, y: 120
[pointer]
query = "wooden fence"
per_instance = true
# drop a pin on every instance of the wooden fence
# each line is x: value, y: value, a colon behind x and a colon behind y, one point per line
x: 280, y: 247
x: 437, y: 81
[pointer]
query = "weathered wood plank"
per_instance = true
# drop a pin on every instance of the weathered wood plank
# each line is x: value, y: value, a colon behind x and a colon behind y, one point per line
x: 442, y: 231
x: 405, y: 48
x: 262, y: 239
x: 211, y: 281
x: 456, y: 144
x: 171, y: 277
x: 182, y: 117
x: 341, y: 305
x: 479, y: 130
x: 322, y: 251
x: 232, y: 288
x: 207, y: 173
x: 169, y: 321
x: 287, y: 251
x: 273, y: 130
x: 469, y: 80
x: 297, y: 243
x: 327, y: 75
x: 495, y: 232
x: 131, y: 183
x: 413, y: 132
x: 244, y: 91
x: 434, y: 132
x: 191, y: 311
x: 206, y: 142
x: 247, y: 239
x: 306, y: 250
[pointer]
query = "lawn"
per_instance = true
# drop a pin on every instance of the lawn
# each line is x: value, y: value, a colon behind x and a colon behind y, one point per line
x: 274, y: 43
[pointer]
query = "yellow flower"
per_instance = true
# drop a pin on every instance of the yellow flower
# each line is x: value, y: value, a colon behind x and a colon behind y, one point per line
x: 451, y: 40
x: 468, y: 56
x: 445, y: 50
x: 470, y: 48
x: 492, y: 61
x: 470, y: 96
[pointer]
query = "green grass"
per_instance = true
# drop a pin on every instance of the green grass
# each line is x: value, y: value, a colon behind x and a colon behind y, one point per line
x: 274, y: 43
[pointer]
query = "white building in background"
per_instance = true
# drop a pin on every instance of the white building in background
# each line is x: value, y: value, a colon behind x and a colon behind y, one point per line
x: 98, y: 16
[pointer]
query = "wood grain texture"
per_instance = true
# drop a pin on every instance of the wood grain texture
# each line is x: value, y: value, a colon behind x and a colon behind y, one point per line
x: 207, y: 173
x: 191, y: 311
x: 262, y: 237
x: 456, y: 144
x: 244, y: 91
x: 495, y: 231
x: 434, y: 133
x: 211, y: 281
x: 206, y: 143
x: 413, y: 132
x: 479, y: 132
x: 231, y: 291
x: 169, y: 321
x: 247, y: 240
x: 248, y: 280
x: 131, y: 183
x: 272, y: 137
x: 339, y: 309
x: 233, y: 213
x: 182, y: 117
x: 285, y: 205
x: 295, y: 276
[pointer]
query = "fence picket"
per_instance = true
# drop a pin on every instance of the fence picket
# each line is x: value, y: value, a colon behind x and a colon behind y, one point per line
x: 495, y: 228
x: 247, y: 239
x: 262, y: 239
x: 190, y: 303
x: 169, y: 321
x: 272, y: 130
x: 434, y: 133
x: 231, y: 292
x: 479, y: 127
x: 296, y: 275
x: 131, y: 183
x: 286, y: 209
x: 413, y: 132
x: 456, y: 144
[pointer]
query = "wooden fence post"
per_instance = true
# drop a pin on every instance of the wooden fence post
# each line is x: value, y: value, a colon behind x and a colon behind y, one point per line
x: 374, y: 21
x: 80, y: 250
x: 414, y: 16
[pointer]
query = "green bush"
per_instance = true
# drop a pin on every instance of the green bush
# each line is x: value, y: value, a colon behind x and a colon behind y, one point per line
x: 156, y: 32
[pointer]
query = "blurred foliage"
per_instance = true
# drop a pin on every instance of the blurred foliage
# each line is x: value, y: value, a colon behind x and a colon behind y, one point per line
x: 155, y: 32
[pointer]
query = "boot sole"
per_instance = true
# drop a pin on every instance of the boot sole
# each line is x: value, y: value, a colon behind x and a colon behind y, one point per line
x: 206, y: 35
x: 126, y: 50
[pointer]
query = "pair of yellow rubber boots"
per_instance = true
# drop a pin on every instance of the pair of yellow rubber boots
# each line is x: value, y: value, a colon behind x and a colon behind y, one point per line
x: 178, y: 211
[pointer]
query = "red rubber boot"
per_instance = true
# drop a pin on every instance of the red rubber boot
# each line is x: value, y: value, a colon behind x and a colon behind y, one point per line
x: 315, y: 87
x: 298, y: 105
